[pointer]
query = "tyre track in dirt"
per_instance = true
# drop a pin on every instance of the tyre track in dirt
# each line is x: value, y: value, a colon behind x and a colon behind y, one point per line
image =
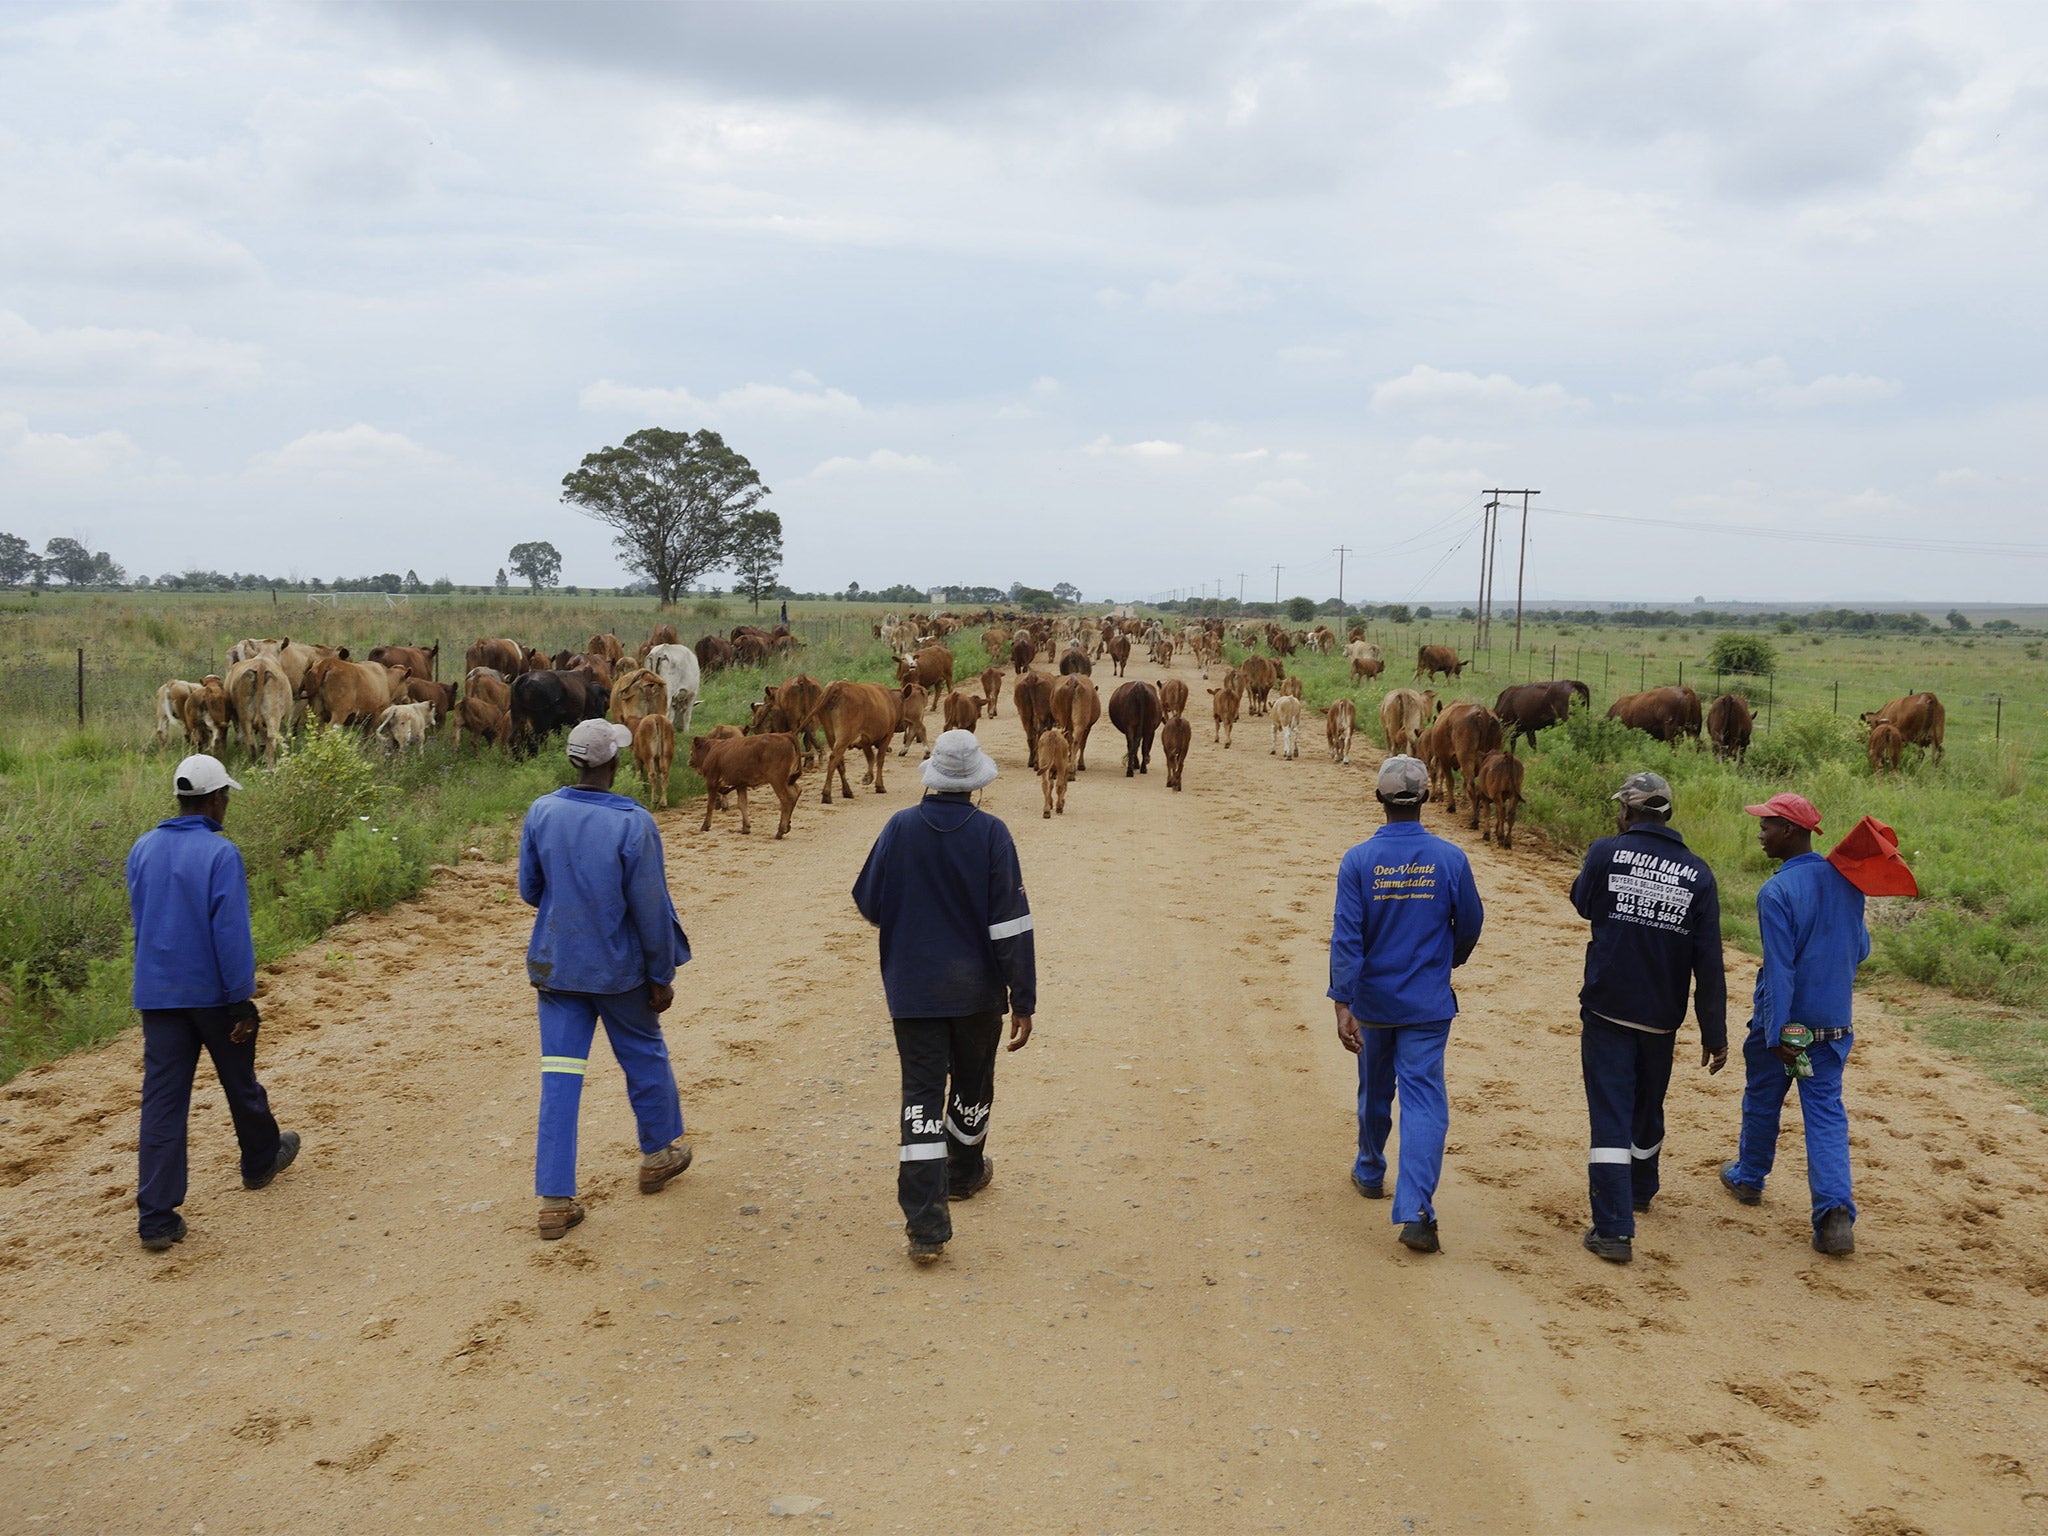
x: 1170, y: 1312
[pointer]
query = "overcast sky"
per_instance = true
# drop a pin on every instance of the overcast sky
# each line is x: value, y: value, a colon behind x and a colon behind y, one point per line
x: 1136, y: 297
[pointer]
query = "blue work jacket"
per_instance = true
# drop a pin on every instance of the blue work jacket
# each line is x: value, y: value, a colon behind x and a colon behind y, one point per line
x: 189, y: 900
x: 1811, y: 921
x: 943, y: 884
x: 1407, y: 913
x: 590, y: 862
x: 1656, y: 916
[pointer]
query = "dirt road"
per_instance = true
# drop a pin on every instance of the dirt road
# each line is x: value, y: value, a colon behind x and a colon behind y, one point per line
x: 1169, y: 1313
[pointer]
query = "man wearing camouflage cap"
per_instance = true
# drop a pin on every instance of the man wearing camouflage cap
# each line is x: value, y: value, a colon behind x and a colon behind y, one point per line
x: 1656, y: 916
x: 1407, y: 914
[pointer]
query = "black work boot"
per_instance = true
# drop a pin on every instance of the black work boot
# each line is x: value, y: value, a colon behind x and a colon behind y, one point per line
x: 1616, y: 1250
x: 1748, y: 1194
x: 1836, y: 1233
x: 1370, y: 1191
x: 287, y: 1151
x: 1421, y: 1236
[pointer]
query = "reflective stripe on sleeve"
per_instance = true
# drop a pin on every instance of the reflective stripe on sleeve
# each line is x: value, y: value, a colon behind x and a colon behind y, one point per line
x: 1013, y: 927
x: 1607, y: 1155
x: 1636, y: 1151
x: 921, y: 1151
x: 573, y: 1065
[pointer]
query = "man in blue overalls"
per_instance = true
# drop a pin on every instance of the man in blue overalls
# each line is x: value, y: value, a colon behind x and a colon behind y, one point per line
x: 1656, y: 916
x: 606, y: 944
x: 1811, y: 921
x: 1407, y: 914
x: 195, y: 986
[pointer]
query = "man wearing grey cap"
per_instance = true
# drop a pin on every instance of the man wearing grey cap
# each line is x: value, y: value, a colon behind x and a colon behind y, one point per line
x: 606, y: 944
x: 195, y: 987
x: 1408, y: 913
x: 943, y: 885
x: 1656, y: 916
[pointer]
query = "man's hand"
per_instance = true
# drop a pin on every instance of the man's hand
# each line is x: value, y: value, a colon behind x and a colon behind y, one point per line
x: 1020, y: 1031
x: 1347, y: 1030
x: 1713, y: 1060
x: 245, y: 1019
x: 659, y: 996
x: 1785, y: 1053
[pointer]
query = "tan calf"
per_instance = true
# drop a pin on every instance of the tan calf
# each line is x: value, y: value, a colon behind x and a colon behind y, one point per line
x: 654, y: 754
x: 1076, y: 706
x: 748, y: 762
x: 963, y: 710
x: 910, y: 708
x: 480, y: 717
x: 1174, y: 737
x: 1286, y: 713
x: 1055, y: 768
x: 1173, y: 697
x: 1498, y: 784
x: 992, y: 688
x: 1338, y: 725
x: 1223, y: 703
x: 1887, y: 743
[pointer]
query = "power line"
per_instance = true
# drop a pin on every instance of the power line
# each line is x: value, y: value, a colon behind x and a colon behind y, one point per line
x: 1820, y: 536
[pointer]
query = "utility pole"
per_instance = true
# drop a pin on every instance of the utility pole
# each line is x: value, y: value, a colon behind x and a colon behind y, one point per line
x: 1342, y: 551
x: 1522, y: 563
x: 1488, y: 517
x: 1240, y: 592
x: 1276, y: 586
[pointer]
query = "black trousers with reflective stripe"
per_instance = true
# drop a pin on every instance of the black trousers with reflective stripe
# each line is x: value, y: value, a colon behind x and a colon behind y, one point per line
x: 1626, y: 1073
x: 943, y: 1132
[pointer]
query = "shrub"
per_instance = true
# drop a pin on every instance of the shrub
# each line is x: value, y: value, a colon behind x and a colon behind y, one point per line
x: 1300, y: 610
x: 1802, y: 740
x: 322, y: 783
x: 366, y: 870
x: 1749, y: 654
x: 708, y: 608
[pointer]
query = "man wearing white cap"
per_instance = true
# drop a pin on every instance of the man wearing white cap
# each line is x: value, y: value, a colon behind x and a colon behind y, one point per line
x: 606, y: 944
x: 1407, y: 913
x: 195, y: 987
x: 944, y: 886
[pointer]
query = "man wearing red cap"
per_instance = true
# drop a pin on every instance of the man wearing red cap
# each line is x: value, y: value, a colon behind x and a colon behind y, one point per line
x: 1811, y: 921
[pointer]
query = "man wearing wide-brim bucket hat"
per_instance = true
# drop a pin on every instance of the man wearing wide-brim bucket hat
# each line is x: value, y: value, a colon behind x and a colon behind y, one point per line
x: 943, y: 885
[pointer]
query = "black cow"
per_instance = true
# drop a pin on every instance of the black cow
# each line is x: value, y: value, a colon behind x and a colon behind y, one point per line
x: 1526, y: 708
x: 546, y: 702
x: 1134, y: 710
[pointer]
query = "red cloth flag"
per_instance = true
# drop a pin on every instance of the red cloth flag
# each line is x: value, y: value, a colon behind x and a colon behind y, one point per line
x: 1869, y: 860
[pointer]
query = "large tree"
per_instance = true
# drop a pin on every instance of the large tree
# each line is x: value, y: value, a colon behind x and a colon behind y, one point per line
x: 538, y: 561
x: 756, y: 553
x: 18, y: 560
x: 673, y: 497
x: 68, y: 560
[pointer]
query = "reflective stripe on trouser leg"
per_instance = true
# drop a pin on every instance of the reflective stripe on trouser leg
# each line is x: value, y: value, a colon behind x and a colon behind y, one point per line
x: 567, y: 1023
x: 1625, y: 1072
x: 973, y: 1044
x: 923, y: 1049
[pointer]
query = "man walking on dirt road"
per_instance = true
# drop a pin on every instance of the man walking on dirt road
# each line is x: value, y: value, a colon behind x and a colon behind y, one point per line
x: 1408, y: 913
x: 1811, y: 921
x: 1656, y: 916
x: 195, y: 987
x: 606, y: 944
x: 943, y: 884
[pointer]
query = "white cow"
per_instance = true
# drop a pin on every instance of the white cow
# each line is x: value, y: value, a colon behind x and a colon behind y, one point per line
x: 1286, y: 712
x: 676, y: 665
x: 406, y: 725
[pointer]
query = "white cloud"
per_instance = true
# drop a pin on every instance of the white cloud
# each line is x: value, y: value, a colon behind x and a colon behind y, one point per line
x: 1206, y: 291
x: 1154, y: 449
x: 1963, y: 476
x: 1313, y: 359
x: 355, y: 450
x: 1275, y: 494
x: 1426, y: 390
x: 1045, y: 388
x: 96, y: 355
x: 1437, y: 450
x: 1769, y: 382
x: 883, y: 461
x: 58, y: 455
x: 752, y: 400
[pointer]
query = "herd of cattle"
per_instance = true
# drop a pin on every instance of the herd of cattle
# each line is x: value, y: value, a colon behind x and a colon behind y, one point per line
x: 512, y: 696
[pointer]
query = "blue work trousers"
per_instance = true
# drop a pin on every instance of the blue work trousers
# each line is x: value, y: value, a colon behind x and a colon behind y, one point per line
x: 1820, y: 1106
x: 172, y: 1039
x: 1404, y: 1061
x: 568, y: 1021
x: 1626, y: 1072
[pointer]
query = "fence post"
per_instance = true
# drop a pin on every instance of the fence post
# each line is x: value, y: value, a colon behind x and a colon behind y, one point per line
x: 1770, y: 698
x: 81, y: 687
x: 1643, y: 673
x: 1837, y: 707
x: 1681, y: 671
x: 1998, y: 720
x: 1553, y: 661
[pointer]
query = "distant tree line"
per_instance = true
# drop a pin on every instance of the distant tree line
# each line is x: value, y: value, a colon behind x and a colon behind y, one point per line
x: 64, y: 560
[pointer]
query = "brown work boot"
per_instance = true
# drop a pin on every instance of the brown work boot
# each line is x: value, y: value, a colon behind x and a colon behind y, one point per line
x: 557, y: 1215
x: 657, y: 1168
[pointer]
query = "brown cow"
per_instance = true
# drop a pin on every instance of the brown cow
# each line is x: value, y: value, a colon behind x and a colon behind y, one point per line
x: 1032, y: 698
x: 714, y: 653
x: 788, y: 708
x: 599, y: 669
x: 418, y: 690
x: 752, y: 762
x: 1074, y: 659
x: 636, y: 695
x: 1885, y: 746
x: 1404, y: 714
x: 1919, y: 719
x: 488, y: 684
x: 654, y: 753
x: 1260, y: 674
x: 420, y: 663
x: 1665, y: 713
x: 910, y: 710
x: 1465, y: 734
x: 1223, y: 704
x: 344, y: 692
x: 1174, y: 737
x: 1173, y: 697
x: 855, y: 716
x: 200, y: 709
x: 506, y: 657
x: 1289, y: 686
x: 1134, y: 710
x: 750, y: 650
x: 1055, y: 759
x: 1119, y: 654
x: 609, y: 647
x: 996, y: 642
x: 1366, y: 667
x: 661, y: 634
x: 1022, y: 649
x: 481, y: 717
x: 1338, y: 726
x: 1498, y: 785
x: 962, y: 711
x: 260, y: 698
x: 1729, y: 724
x: 1526, y: 708
x: 1438, y: 658
x: 931, y: 669
x: 1076, y: 706
x: 992, y: 688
